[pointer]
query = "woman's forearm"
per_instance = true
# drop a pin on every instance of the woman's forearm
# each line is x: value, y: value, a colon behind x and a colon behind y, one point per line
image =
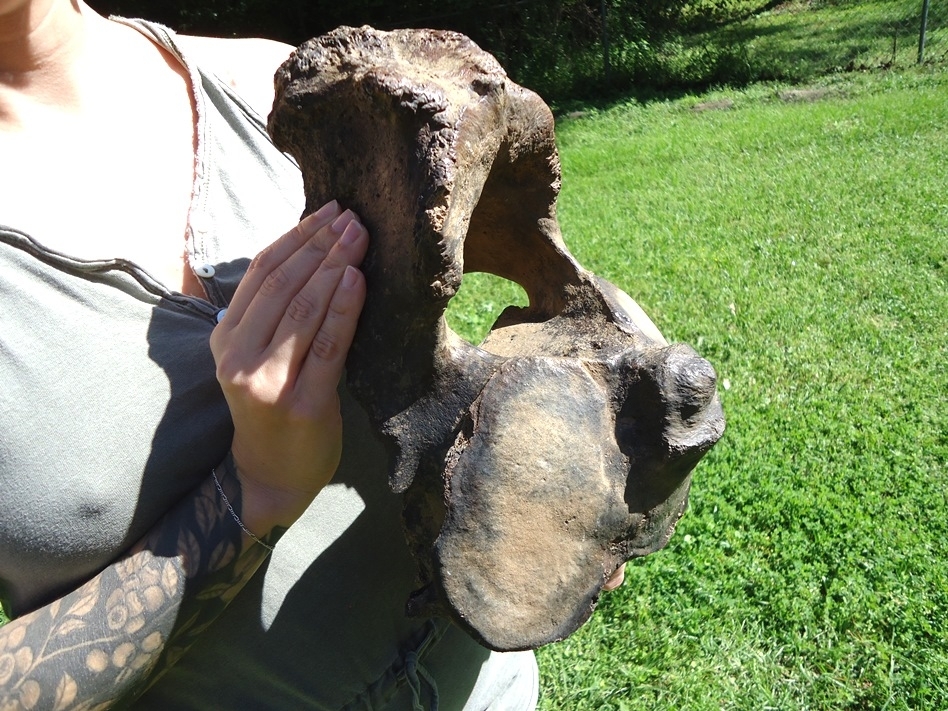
x: 106, y: 641
x: 279, y: 351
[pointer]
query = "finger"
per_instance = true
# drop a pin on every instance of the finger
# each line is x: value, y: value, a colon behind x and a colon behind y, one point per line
x: 326, y: 356
x: 275, y: 254
x: 615, y: 580
x: 289, y: 287
x: 271, y: 257
x: 304, y: 315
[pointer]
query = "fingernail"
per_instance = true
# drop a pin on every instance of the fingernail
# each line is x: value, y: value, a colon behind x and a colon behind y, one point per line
x: 327, y: 209
x: 339, y: 224
x: 350, y: 278
x: 351, y: 234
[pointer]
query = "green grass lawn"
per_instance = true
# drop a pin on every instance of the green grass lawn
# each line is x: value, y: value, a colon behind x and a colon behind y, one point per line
x: 798, y: 237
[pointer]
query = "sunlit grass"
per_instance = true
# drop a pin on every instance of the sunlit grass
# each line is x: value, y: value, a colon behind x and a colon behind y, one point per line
x: 800, y: 241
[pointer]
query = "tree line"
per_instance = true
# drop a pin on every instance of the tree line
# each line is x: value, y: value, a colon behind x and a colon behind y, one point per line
x: 559, y: 47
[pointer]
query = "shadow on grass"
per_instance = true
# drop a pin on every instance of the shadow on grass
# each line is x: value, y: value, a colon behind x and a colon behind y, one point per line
x: 795, y: 46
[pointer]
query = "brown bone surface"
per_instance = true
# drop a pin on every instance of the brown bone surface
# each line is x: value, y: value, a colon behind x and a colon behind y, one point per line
x: 533, y: 465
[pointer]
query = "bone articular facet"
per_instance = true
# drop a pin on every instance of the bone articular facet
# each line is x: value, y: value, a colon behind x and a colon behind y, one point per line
x: 534, y: 464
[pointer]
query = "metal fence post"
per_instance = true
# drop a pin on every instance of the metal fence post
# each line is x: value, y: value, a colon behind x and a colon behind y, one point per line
x: 921, y: 34
x: 606, y: 63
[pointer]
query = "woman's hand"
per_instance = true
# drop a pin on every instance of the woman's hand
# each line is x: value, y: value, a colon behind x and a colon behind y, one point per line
x: 280, y: 350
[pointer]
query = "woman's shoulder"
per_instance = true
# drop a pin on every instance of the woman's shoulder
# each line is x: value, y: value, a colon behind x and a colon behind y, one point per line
x: 247, y: 65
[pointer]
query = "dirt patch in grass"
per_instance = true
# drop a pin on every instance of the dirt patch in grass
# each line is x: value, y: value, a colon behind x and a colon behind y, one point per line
x: 805, y: 95
x: 792, y: 6
x: 717, y: 105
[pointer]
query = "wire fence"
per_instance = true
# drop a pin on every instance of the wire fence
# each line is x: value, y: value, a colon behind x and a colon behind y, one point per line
x: 794, y: 41
x: 885, y: 34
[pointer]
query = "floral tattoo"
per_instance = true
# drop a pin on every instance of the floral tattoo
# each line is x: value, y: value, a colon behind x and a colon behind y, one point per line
x: 107, y: 641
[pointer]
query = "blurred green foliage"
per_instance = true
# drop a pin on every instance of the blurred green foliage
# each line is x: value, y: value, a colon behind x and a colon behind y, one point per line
x: 556, y: 48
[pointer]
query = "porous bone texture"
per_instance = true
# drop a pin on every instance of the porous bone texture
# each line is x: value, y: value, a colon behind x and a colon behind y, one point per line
x: 534, y: 464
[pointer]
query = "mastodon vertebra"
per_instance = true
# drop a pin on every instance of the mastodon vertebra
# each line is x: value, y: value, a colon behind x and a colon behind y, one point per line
x: 535, y: 464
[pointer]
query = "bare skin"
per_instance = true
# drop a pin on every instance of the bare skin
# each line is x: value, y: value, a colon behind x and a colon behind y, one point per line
x: 65, y: 136
x: 69, y: 134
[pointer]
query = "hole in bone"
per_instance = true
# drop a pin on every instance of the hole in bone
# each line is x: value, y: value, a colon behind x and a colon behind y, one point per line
x: 479, y: 302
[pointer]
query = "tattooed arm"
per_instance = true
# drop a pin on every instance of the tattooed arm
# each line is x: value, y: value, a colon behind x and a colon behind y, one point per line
x: 136, y: 618
x: 280, y: 351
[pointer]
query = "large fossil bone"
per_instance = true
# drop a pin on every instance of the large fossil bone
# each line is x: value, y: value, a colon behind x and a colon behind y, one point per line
x: 533, y: 465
